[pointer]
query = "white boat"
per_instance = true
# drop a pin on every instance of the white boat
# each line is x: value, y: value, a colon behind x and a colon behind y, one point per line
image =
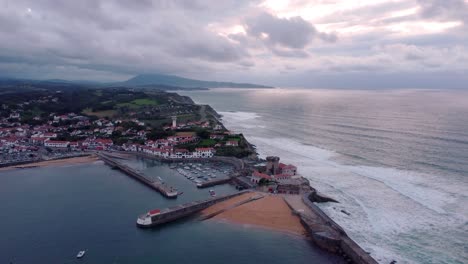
x: 212, y: 193
x: 81, y: 254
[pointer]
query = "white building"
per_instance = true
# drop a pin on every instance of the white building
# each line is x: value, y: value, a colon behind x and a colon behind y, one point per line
x: 232, y: 143
x: 56, y: 144
x: 203, y: 153
x: 174, y: 122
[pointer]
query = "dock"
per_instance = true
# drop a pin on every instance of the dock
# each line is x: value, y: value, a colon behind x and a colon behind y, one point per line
x: 180, y: 211
x: 166, y: 191
x: 213, y: 182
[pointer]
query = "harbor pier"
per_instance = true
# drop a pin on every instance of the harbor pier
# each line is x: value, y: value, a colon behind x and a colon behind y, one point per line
x: 180, y: 211
x: 213, y: 182
x: 166, y: 191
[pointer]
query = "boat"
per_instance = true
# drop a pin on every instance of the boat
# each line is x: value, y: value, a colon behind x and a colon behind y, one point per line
x: 81, y: 254
x: 212, y: 193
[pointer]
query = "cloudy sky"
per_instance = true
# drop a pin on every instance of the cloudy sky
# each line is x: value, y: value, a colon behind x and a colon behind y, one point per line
x: 296, y: 43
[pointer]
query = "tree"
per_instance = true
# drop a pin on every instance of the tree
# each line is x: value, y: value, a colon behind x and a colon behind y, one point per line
x: 263, y: 182
x: 203, y: 133
x: 158, y: 134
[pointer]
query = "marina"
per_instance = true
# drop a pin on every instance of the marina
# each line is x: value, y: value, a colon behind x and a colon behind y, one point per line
x: 205, y: 174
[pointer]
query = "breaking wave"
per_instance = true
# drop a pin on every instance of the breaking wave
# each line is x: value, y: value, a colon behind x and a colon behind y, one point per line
x: 401, y: 215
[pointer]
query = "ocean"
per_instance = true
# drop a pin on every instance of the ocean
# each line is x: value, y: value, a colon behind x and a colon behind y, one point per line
x: 49, y: 214
x: 396, y: 160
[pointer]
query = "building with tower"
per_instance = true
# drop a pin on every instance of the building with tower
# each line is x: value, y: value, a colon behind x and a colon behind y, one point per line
x: 174, y: 122
x: 272, y: 165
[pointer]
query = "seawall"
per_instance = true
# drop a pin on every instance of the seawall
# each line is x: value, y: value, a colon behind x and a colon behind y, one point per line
x: 330, y: 236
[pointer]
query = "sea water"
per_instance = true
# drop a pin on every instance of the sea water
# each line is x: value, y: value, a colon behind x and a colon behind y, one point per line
x: 396, y: 160
x: 49, y: 214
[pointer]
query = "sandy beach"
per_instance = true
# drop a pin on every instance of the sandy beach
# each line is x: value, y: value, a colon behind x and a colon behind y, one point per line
x: 270, y: 212
x: 57, y: 162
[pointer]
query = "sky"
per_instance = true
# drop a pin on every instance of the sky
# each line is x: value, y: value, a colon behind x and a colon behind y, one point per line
x: 296, y: 43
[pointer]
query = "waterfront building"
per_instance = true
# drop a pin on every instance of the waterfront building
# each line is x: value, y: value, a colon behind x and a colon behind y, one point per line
x: 257, y: 176
x: 38, y: 140
x: 203, y: 153
x: 181, y: 154
x: 56, y: 143
x: 288, y: 169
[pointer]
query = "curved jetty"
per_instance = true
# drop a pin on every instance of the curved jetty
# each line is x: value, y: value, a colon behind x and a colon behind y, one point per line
x: 157, y: 217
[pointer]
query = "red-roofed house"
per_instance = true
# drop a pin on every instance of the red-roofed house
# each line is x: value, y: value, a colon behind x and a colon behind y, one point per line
x: 257, y: 176
x: 49, y: 135
x: 38, y: 140
x: 288, y: 169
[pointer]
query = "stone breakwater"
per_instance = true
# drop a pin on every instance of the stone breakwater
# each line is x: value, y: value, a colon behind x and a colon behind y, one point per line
x: 328, y: 235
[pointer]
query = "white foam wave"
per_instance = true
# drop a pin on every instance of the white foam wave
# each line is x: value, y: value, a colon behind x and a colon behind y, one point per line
x: 388, y: 206
x: 239, y: 116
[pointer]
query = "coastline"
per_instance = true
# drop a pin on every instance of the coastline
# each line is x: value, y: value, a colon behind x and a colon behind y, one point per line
x: 270, y: 212
x: 54, y: 162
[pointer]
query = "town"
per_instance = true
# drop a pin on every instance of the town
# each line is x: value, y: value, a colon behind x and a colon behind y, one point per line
x: 161, y: 124
x: 158, y: 125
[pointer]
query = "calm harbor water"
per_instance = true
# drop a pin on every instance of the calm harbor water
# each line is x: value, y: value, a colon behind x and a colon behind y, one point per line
x: 49, y: 214
x: 397, y: 160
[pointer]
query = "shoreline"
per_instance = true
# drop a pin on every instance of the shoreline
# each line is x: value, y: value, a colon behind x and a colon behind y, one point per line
x: 270, y: 212
x: 263, y: 228
x: 54, y: 162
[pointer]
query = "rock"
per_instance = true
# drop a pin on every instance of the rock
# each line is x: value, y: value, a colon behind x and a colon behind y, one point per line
x: 346, y: 213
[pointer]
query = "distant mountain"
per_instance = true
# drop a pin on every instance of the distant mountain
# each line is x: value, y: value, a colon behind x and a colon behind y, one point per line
x: 171, y: 80
x: 84, y: 82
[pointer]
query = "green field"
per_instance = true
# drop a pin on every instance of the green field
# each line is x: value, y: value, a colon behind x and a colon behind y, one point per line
x: 139, y: 103
x: 207, y: 143
x: 100, y: 114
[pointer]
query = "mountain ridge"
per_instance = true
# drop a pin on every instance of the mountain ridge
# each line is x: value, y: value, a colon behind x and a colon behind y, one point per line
x: 173, y: 80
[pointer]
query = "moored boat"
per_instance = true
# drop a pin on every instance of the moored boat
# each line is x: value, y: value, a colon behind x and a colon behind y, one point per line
x: 212, y: 193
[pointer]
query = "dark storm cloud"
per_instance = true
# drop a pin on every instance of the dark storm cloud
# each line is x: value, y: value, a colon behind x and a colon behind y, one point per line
x: 127, y: 36
x: 294, y: 33
x: 229, y: 40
